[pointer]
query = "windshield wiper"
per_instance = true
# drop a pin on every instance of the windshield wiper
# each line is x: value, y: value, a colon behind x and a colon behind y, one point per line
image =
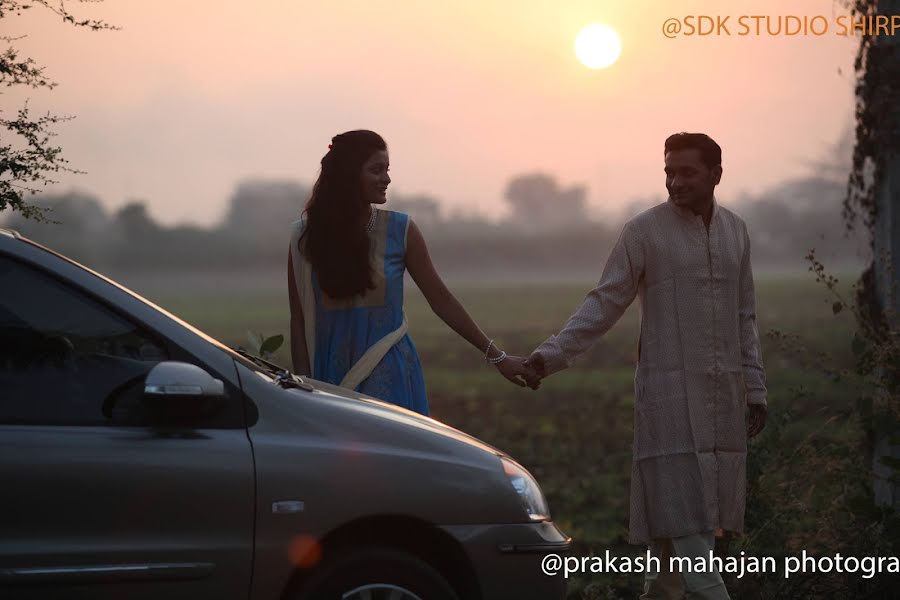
x: 258, y: 361
x: 283, y: 377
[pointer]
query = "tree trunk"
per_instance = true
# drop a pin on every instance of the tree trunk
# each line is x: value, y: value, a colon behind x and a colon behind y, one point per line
x: 887, y: 283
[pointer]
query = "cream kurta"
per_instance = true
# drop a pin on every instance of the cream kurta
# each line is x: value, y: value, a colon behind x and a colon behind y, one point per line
x: 699, y: 364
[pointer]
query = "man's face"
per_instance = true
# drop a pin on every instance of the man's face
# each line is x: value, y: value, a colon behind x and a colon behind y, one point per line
x: 690, y: 182
x: 375, y: 178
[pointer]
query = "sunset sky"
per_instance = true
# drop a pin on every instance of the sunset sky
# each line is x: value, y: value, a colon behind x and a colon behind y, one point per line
x: 191, y: 96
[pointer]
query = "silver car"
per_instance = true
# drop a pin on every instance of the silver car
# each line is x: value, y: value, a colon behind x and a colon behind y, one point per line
x: 140, y: 458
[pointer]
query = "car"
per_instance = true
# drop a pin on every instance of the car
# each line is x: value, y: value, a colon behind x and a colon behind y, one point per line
x: 141, y: 458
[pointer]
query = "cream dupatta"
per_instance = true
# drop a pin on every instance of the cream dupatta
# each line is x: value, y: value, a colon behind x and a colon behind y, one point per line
x: 303, y: 278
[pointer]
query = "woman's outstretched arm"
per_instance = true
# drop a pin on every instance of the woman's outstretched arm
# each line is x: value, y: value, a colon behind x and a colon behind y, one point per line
x: 448, y: 308
x: 299, y: 353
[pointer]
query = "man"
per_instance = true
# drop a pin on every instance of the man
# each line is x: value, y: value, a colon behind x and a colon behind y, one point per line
x: 699, y: 366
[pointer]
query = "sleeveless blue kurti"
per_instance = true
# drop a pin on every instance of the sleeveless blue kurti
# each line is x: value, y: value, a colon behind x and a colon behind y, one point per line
x: 346, y: 328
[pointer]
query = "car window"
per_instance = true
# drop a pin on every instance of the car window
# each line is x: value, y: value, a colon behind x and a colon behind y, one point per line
x: 64, y: 356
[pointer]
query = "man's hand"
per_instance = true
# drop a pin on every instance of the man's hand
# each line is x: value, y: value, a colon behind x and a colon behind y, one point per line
x: 535, y: 363
x: 757, y: 419
x: 514, y: 369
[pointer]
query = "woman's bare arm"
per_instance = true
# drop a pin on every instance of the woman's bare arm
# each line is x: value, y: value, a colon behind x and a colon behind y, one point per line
x: 448, y: 308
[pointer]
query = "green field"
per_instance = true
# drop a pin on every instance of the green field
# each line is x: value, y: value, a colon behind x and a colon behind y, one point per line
x: 575, y: 433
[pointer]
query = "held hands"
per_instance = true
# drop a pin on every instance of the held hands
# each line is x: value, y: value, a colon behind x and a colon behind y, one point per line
x: 535, y: 362
x: 514, y: 369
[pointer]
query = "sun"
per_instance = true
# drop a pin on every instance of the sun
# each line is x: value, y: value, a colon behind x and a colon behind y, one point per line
x: 598, y: 46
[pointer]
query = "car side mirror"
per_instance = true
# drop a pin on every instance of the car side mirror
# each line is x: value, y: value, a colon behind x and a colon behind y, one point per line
x: 173, y: 379
x: 181, y: 392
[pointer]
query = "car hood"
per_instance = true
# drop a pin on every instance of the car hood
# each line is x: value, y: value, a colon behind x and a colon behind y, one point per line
x: 367, y: 406
x: 337, y: 413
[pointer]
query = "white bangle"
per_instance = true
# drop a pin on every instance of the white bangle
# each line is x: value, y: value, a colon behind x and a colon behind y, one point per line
x: 498, y: 359
x: 487, y: 350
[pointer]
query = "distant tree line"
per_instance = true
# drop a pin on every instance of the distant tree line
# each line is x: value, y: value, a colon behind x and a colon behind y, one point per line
x: 548, y: 229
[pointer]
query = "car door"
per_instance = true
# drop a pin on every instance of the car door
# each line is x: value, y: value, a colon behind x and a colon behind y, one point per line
x: 98, y: 500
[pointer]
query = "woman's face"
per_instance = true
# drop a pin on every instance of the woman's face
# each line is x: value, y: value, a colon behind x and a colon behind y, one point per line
x: 375, y: 178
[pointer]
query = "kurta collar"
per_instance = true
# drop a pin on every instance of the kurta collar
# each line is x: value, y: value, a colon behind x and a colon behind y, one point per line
x: 689, y: 214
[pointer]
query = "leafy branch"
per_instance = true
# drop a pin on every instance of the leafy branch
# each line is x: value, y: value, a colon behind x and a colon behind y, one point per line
x: 29, y: 160
x: 264, y: 346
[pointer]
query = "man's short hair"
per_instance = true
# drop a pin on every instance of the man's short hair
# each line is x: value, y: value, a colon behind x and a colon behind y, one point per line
x: 710, y: 151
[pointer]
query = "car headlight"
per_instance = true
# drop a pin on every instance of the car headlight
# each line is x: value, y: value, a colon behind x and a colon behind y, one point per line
x: 528, y: 490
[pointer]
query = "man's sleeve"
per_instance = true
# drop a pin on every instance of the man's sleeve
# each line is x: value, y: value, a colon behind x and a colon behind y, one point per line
x: 751, y: 355
x: 603, y: 305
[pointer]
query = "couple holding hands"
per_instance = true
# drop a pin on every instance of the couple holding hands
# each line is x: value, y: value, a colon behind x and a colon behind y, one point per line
x: 699, y: 384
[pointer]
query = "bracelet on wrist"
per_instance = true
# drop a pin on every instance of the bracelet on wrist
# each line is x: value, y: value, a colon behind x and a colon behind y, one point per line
x: 488, y: 350
x: 498, y: 359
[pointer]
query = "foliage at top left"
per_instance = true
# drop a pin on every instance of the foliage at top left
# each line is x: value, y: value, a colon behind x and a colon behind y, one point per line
x: 28, y: 156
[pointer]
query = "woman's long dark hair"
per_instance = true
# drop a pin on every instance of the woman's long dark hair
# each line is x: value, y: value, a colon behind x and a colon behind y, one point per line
x: 337, y: 245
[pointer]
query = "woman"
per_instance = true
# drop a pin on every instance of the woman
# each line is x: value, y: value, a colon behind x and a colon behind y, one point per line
x: 345, y: 282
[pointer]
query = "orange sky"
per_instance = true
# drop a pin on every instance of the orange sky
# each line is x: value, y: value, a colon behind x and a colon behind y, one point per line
x: 192, y: 96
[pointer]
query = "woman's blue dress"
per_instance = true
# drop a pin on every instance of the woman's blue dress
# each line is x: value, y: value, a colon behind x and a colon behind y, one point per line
x: 346, y: 328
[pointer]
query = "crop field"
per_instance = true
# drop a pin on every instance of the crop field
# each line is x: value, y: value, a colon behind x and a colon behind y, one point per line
x: 575, y: 433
